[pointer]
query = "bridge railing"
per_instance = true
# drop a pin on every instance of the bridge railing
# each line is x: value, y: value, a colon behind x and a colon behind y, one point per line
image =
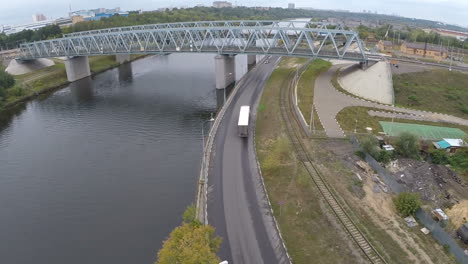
x: 199, y: 24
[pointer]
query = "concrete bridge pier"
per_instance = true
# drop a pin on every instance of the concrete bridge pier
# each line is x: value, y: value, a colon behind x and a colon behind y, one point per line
x: 122, y: 57
x: 363, y: 65
x: 77, y: 68
x: 251, y: 59
x: 225, y: 69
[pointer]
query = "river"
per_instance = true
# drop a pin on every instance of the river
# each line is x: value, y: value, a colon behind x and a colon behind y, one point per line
x: 102, y: 170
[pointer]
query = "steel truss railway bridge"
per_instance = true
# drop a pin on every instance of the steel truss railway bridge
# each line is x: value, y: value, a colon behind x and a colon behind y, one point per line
x: 225, y: 38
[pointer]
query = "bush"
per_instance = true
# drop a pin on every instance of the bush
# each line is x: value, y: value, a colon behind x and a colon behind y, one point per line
x: 369, y: 144
x: 460, y: 160
x: 360, y: 154
x: 16, y: 91
x: 6, y: 80
x: 407, y: 146
x: 384, y: 156
x: 407, y: 203
x: 413, y: 99
x: 439, y: 156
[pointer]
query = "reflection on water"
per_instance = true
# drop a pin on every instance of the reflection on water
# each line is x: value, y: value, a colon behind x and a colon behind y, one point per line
x: 101, y: 171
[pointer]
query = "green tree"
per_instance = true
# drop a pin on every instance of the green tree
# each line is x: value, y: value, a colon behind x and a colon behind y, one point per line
x: 407, y: 203
x: 190, y: 243
x: 407, y: 145
x: 6, y: 80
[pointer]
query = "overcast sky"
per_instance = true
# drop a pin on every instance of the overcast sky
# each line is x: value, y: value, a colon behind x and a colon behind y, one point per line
x: 449, y: 11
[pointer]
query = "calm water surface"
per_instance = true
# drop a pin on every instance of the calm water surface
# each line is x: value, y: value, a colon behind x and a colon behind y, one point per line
x: 101, y: 171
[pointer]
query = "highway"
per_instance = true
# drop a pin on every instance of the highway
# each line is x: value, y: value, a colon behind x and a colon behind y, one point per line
x: 237, y: 204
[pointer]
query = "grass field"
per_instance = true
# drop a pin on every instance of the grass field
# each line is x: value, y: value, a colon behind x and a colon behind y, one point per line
x: 424, y: 131
x: 437, y: 91
x: 348, y: 116
x: 308, y: 234
x: 305, y: 89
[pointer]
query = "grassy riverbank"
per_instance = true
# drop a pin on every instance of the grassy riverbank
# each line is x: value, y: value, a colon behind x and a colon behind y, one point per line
x: 32, y: 84
x: 302, y: 217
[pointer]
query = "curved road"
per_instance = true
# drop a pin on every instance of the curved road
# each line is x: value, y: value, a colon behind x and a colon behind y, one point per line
x: 237, y: 204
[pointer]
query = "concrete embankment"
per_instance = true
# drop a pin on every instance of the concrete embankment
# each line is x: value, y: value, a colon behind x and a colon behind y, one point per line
x: 374, y: 83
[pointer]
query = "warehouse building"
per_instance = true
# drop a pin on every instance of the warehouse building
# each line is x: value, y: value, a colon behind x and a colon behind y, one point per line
x: 436, y: 52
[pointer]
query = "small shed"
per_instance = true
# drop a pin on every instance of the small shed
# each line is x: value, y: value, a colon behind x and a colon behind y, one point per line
x: 450, y: 144
x: 462, y: 233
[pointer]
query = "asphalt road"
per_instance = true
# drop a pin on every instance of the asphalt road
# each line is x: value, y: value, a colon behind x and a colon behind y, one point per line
x: 237, y: 205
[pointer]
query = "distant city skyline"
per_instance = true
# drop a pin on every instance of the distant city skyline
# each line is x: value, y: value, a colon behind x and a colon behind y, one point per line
x: 447, y: 11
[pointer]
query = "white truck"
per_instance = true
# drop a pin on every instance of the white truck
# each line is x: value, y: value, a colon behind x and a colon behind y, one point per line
x: 243, y: 124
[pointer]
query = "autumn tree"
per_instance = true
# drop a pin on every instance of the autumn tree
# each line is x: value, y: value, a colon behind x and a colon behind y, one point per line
x: 190, y: 243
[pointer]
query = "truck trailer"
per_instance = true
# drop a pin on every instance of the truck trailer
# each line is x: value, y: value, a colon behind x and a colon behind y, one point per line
x: 243, y: 124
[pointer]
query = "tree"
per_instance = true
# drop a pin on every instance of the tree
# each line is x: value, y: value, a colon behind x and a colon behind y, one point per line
x: 6, y: 80
x: 407, y: 145
x: 190, y: 243
x: 407, y: 203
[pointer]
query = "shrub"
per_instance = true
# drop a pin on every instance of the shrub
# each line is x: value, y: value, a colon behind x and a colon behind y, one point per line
x: 360, y: 154
x: 6, y: 80
x: 464, y: 109
x: 439, y: 156
x: 369, y: 144
x: 413, y: 99
x: 16, y: 91
x: 407, y: 146
x: 407, y: 203
x: 384, y: 156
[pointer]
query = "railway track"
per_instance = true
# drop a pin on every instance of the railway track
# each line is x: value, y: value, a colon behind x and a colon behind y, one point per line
x: 295, y: 136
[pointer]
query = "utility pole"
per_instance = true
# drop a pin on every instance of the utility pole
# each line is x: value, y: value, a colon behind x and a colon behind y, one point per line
x: 312, y: 123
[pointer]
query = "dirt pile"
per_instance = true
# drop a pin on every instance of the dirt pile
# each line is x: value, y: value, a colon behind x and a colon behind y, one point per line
x: 431, y: 181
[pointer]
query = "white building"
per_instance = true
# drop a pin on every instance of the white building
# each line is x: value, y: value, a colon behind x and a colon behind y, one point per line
x: 291, y: 6
x: 222, y: 4
x: 38, y: 17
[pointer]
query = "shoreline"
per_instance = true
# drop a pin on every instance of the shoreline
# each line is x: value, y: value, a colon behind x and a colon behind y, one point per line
x: 35, y: 94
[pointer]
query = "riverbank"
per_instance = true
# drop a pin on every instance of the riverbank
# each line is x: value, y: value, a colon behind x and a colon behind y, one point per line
x: 30, y: 85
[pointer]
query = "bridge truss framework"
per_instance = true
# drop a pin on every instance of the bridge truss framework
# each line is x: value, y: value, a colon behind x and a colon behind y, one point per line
x: 222, y: 37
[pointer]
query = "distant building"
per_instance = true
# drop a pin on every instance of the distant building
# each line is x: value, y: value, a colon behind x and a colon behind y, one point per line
x: 385, y: 46
x: 77, y: 19
x: 291, y: 6
x: 38, y: 17
x: 452, y: 33
x: 82, y: 13
x: 222, y: 4
x: 9, y: 29
x: 436, y: 52
x: 96, y: 14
